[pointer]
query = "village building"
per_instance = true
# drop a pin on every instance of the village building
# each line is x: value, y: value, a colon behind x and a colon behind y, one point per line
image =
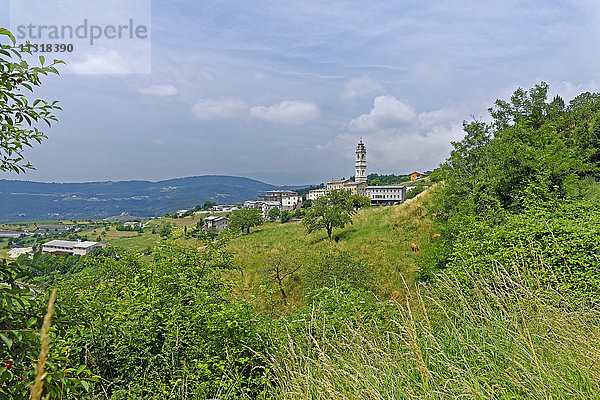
x: 268, y: 206
x: 386, y: 195
x: 132, y: 224
x: 70, y: 247
x: 263, y: 205
x: 338, y: 184
x: 379, y: 195
x: 291, y: 202
x: 416, y: 175
x: 315, y: 193
x: 11, y: 234
x: 276, y: 195
x: 219, y: 224
x: 253, y: 205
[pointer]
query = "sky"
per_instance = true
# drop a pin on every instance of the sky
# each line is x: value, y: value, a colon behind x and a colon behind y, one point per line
x: 282, y: 91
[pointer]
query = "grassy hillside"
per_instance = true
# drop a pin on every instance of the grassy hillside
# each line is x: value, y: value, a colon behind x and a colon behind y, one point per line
x: 379, y: 236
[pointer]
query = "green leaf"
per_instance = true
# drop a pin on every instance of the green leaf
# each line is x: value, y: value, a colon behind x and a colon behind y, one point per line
x: 80, y: 369
x: 42, y: 59
x: 7, y: 33
x: 86, y: 385
x: 7, y: 341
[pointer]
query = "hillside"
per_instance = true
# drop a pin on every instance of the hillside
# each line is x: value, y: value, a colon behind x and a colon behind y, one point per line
x: 31, y: 201
x: 378, y: 236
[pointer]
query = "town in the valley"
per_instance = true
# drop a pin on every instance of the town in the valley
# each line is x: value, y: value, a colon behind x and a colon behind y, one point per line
x: 214, y: 219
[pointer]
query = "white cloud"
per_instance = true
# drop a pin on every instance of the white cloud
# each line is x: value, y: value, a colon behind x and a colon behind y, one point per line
x: 158, y: 90
x: 387, y: 111
x: 418, y: 151
x: 361, y: 87
x: 215, y: 109
x: 429, y: 119
x: 287, y: 112
x: 399, y: 139
x: 110, y: 62
x: 568, y: 90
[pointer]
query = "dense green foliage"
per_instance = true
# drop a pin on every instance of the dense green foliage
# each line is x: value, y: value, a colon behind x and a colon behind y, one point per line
x: 285, y: 216
x: 382, y: 180
x: 165, y: 326
x: 168, y: 326
x: 274, y: 213
x: 122, y: 227
x: 519, y: 187
x: 245, y: 219
x: 22, y: 309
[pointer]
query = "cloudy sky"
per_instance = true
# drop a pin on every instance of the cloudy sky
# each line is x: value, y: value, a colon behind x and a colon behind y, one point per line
x: 282, y: 91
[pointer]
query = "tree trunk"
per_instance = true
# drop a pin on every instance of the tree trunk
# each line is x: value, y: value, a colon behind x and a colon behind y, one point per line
x: 282, y: 292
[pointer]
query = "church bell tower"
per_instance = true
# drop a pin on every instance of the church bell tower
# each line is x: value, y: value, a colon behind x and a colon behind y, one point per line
x: 360, y: 175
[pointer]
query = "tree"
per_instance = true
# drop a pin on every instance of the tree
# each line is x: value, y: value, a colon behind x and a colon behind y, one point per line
x: 285, y: 217
x: 165, y: 229
x: 333, y: 210
x: 358, y: 201
x: 274, y: 213
x: 208, y: 205
x: 19, y: 117
x: 245, y: 219
x: 279, y: 269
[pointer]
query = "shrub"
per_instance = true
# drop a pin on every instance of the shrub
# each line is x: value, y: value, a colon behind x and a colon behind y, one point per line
x: 167, y: 326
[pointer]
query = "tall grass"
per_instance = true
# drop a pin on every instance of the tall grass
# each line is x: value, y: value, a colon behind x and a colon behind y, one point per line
x: 506, y: 339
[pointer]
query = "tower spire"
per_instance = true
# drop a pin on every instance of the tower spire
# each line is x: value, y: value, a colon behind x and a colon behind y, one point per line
x: 360, y: 175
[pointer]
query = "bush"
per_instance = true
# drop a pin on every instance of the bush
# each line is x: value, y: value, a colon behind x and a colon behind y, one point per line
x: 285, y: 217
x: 169, y: 325
x: 560, y: 245
x: 22, y: 311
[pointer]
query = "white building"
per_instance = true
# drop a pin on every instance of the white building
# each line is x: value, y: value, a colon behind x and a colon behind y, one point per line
x: 291, y: 202
x: 276, y: 195
x: 315, y: 193
x: 133, y: 224
x: 386, y: 195
x: 70, y: 247
x: 11, y: 234
x: 262, y: 205
x: 268, y: 206
x: 253, y: 204
x: 218, y: 223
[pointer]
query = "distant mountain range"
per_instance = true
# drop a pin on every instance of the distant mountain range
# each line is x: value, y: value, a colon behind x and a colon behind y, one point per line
x: 36, y: 201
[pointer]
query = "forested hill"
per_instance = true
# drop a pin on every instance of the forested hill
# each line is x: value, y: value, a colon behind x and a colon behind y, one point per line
x: 31, y: 201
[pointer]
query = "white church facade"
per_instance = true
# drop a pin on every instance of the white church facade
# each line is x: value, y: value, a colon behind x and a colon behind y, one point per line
x: 379, y: 195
